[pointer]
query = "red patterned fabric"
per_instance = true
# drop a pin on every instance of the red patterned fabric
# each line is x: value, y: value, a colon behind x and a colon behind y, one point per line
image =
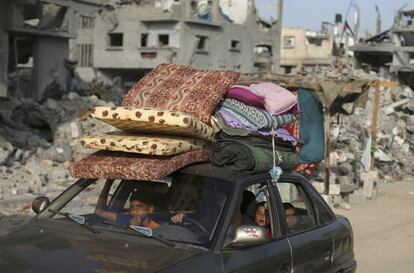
x: 307, y: 168
x: 121, y: 165
x: 181, y: 88
x: 293, y: 129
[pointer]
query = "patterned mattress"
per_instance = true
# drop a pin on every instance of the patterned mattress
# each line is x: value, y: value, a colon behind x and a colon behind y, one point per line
x: 147, y: 120
x: 120, y: 165
x: 143, y: 144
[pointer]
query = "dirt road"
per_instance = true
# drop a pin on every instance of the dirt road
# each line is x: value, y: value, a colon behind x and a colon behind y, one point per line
x: 384, y: 230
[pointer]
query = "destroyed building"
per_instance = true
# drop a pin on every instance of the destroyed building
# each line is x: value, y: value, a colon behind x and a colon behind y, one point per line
x: 390, y: 51
x: 305, y: 49
x: 48, y: 43
x: 227, y: 35
x: 36, y: 40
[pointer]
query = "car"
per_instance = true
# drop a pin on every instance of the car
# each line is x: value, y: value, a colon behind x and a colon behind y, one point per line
x: 204, y: 220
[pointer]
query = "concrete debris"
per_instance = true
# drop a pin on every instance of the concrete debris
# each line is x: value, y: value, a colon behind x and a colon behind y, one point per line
x: 352, y: 146
x: 383, y: 157
x: 38, y: 142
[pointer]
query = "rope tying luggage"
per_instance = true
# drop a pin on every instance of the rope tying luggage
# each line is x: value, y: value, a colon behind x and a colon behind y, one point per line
x: 276, y: 171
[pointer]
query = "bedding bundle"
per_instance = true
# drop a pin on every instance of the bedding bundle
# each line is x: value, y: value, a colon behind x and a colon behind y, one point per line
x: 178, y: 115
x: 249, y: 117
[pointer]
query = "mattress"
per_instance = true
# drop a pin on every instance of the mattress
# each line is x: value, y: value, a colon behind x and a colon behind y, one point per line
x: 143, y: 144
x: 150, y: 120
x: 121, y: 165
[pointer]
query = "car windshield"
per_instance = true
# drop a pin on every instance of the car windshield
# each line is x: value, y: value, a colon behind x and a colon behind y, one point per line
x: 185, y: 208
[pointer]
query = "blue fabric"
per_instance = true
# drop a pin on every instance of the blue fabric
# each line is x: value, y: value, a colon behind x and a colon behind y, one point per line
x: 123, y: 219
x: 311, y: 127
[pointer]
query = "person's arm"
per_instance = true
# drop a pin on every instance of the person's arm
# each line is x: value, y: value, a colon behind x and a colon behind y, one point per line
x: 177, y: 218
x: 102, y: 205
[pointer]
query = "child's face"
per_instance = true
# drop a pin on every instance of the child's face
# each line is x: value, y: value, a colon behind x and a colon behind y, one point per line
x: 140, y: 209
x: 260, y: 218
x: 290, y: 217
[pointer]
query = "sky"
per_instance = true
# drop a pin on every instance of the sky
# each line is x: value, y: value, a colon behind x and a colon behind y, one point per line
x: 309, y: 14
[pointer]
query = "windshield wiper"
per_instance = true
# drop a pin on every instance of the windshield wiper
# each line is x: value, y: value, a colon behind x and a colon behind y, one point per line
x: 148, y: 233
x: 159, y: 237
x: 75, y: 218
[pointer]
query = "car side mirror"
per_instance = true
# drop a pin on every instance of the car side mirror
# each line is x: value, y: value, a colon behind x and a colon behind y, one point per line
x: 40, y: 203
x: 248, y: 235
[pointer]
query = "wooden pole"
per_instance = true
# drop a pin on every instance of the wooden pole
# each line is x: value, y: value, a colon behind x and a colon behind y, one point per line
x: 277, y: 52
x: 374, y: 122
x: 327, y: 127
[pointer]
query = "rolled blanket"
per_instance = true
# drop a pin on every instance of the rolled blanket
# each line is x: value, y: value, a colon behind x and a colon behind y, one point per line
x: 282, y: 135
x: 237, y: 114
x: 245, y: 115
x: 249, y: 154
x: 259, y: 141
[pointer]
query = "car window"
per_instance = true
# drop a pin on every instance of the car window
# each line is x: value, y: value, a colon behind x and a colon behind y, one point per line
x: 324, y: 214
x: 185, y: 208
x: 253, y: 210
x: 85, y: 202
x: 298, y: 214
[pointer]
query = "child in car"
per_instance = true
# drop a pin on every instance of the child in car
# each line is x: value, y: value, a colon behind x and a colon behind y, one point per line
x: 261, y: 218
x: 141, y: 206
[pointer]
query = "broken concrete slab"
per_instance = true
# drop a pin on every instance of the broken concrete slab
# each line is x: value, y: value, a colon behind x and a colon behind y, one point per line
x: 381, y: 156
x: 369, y: 179
x: 319, y: 186
x: 389, y: 109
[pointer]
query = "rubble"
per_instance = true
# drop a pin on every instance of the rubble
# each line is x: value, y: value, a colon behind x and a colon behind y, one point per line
x: 351, y: 148
x: 38, y: 142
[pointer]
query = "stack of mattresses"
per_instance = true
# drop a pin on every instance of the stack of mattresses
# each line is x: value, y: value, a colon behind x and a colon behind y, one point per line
x: 249, y: 117
x: 165, y: 125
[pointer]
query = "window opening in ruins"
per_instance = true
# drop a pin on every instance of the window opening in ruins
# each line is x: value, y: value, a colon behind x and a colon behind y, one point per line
x: 288, y: 41
x: 163, y: 40
x: 263, y: 50
x: 314, y: 41
x: 202, y: 42
x: 288, y: 69
x: 144, y: 39
x: 235, y: 45
x: 20, y: 66
x: 85, y: 55
x: 116, y: 39
x: 87, y: 22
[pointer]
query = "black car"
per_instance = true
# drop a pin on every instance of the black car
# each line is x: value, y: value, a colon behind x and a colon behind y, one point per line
x: 200, y: 219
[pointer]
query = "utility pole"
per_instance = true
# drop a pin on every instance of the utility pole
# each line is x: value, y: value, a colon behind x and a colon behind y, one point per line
x: 277, y: 51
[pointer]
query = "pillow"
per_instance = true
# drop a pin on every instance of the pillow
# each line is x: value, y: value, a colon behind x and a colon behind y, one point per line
x: 142, y: 144
x: 154, y: 121
x: 277, y: 99
x: 181, y: 88
x: 244, y: 94
x: 119, y: 165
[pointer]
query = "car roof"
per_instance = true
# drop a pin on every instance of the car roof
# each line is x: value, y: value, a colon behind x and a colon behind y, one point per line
x: 208, y: 169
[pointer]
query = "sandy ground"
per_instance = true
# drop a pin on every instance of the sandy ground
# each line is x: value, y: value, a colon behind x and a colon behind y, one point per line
x: 384, y: 230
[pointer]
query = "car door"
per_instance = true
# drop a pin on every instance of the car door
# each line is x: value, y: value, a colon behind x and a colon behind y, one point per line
x: 274, y: 255
x: 312, y: 243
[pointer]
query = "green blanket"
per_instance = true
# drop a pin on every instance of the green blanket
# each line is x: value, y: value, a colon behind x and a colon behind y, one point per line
x: 251, y: 154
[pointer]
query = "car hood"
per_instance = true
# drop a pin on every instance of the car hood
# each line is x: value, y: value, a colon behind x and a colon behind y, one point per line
x: 39, y: 247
